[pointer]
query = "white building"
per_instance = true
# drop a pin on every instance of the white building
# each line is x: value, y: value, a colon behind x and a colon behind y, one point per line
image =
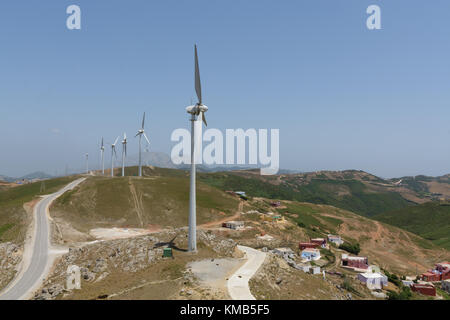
x: 310, y: 254
x: 335, y: 239
x: 315, y: 270
x: 235, y: 225
x: 373, y: 280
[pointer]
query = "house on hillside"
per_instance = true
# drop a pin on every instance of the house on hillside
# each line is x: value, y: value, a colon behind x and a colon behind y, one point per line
x: 235, y: 225
x: 354, y: 262
x: 320, y: 241
x: 335, y: 239
x: 315, y: 270
x: 307, y: 245
x: 425, y: 289
x: 310, y: 254
x: 275, y: 204
x: 373, y: 280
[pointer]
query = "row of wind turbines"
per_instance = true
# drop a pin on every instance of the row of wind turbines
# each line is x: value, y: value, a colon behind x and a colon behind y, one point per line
x: 140, y: 134
x: 197, y: 116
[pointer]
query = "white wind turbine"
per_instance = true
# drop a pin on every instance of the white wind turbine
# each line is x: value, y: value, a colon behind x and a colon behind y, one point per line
x: 141, y: 133
x: 102, y: 151
x: 124, y: 152
x: 87, y: 163
x: 195, y: 111
x: 113, y: 154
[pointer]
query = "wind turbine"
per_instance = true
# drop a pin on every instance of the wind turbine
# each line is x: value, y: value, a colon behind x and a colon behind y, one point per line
x: 196, y: 110
x: 124, y: 152
x: 87, y: 163
x: 141, y: 133
x: 102, y: 151
x: 113, y: 154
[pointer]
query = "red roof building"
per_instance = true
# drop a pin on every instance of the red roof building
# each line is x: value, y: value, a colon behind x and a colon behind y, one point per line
x: 425, y: 289
x: 305, y: 245
x: 355, y: 262
x: 320, y: 241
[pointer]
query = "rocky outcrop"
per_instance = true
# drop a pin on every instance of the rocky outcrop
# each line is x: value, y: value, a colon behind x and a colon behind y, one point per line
x: 10, y: 257
x: 97, y: 260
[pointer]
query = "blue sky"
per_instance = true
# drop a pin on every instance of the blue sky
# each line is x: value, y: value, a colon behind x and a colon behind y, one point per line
x: 342, y: 96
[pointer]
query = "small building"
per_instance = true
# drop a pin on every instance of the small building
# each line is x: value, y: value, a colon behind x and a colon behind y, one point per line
x: 307, y: 245
x: 407, y: 283
x: 335, y: 239
x: 430, y: 276
x: 315, y: 270
x: 444, y: 269
x: 355, y: 262
x: 446, y: 285
x: 305, y: 268
x: 235, y: 225
x: 167, y: 252
x: 373, y: 280
x: 425, y: 289
x: 275, y: 204
x: 310, y: 254
x: 320, y: 241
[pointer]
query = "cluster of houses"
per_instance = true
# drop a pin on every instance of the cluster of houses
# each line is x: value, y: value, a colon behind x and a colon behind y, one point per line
x: 440, y: 272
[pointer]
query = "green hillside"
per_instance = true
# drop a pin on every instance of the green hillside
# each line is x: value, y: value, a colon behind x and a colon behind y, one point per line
x: 13, y: 217
x: 430, y: 220
x: 350, y: 194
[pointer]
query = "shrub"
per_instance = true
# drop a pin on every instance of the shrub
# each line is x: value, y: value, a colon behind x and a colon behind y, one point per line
x: 351, y: 248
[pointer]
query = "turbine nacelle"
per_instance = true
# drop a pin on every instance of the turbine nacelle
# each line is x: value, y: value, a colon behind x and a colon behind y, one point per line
x: 195, y: 110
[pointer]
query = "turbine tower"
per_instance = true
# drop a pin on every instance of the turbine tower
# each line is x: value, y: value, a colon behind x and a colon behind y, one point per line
x: 113, y: 154
x: 195, y: 111
x: 124, y: 152
x: 102, y: 151
x: 87, y: 163
x: 141, y: 133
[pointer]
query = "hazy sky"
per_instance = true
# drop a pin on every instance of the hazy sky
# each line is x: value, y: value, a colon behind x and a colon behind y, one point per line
x: 342, y: 96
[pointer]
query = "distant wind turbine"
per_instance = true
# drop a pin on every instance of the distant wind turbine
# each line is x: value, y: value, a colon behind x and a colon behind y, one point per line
x: 102, y: 151
x: 196, y: 110
x: 141, y: 133
x: 124, y: 152
x: 87, y: 163
x: 113, y: 154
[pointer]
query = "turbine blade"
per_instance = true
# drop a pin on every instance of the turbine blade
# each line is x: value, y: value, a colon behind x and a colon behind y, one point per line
x: 143, y: 121
x: 145, y: 136
x: 204, y: 119
x: 116, y: 140
x: 102, y: 142
x: 198, y: 87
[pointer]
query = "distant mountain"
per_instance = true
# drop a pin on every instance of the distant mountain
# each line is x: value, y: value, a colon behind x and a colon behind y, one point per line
x: 7, y: 179
x: 156, y: 159
x: 36, y: 175
x: 30, y: 176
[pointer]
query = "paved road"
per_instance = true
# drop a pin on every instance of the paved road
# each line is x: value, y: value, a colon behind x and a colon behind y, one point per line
x: 28, y: 281
x: 238, y: 282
